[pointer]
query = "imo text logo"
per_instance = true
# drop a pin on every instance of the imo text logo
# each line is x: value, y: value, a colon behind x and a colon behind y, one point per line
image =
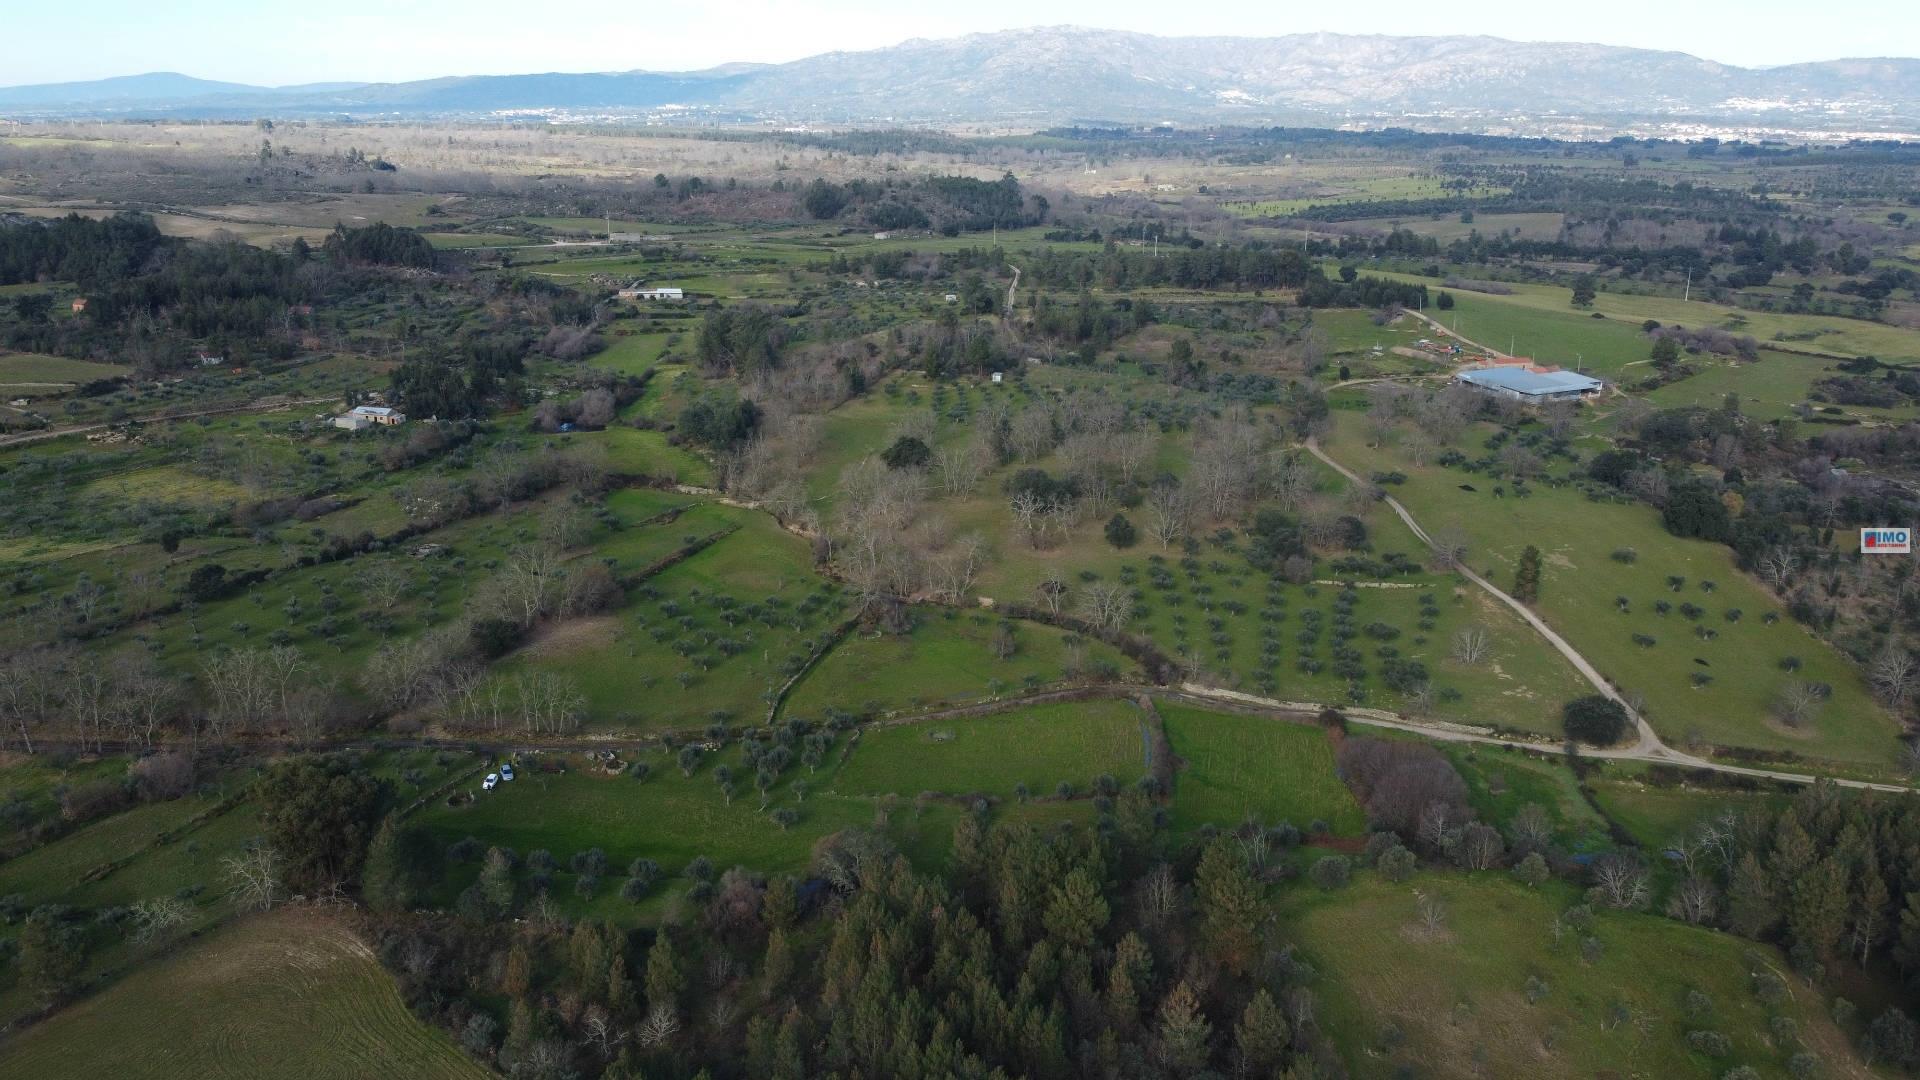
x: 1886, y: 541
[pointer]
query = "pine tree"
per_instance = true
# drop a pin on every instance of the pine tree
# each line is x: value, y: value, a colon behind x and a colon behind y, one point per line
x: 1817, y: 907
x: 779, y: 904
x: 1262, y: 1036
x: 1751, y: 907
x: 664, y: 980
x: 619, y: 986
x: 587, y: 954
x: 778, y: 967
x: 1076, y: 912
x: 1906, y: 944
x: 517, y: 973
x: 384, y: 880
x: 1229, y: 906
x: 1526, y: 577
x: 1870, y: 901
x: 1183, y: 1032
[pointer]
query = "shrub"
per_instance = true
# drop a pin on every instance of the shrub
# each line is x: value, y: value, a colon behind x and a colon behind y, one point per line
x: 1710, y: 1043
x: 1396, y: 864
x: 1331, y: 872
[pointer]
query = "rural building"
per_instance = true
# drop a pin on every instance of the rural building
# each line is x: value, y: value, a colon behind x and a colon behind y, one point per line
x: 656, y: 293
x: 366, y: 416
x: 883, y: 236
x: 79, y: 305
x: 1533, y: 385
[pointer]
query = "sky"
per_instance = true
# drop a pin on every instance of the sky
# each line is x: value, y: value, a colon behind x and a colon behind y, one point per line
x: 283, y: 43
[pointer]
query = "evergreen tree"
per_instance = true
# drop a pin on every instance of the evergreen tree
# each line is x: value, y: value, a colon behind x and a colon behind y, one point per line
x: 1526, y: 577
x: 1229, y: 903
x: 1752, y: 909
x: 1183, y: 1033
x: 1868, y: 926
x: 1076, y: 912
x: 1262, y: 1036
x: 664, y: 980
x: 1817, y: 907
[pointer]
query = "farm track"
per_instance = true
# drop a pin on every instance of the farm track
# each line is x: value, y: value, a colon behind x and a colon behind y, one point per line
x: 78, y: 429
x: 1648, y: 747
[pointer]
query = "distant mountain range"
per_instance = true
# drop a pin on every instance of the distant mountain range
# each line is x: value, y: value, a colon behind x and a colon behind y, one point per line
x: 1052, y: 75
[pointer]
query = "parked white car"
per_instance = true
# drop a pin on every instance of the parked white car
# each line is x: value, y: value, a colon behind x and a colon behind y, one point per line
x: 492, y: 779
x: 506, y: 771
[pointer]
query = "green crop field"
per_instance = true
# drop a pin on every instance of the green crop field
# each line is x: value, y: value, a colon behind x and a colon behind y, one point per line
x: 1581, y: 581
x: 286, y: 995
x: 1234, y: 767
x: 1039, y: 747
x: 1455, y: 998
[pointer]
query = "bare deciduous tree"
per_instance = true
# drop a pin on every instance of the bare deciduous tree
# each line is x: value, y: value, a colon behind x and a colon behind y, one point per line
x: 1892, y: 674
x: 1471, y: 644
x: 1169, y: 513
x: 155, y: 917
x: 1620, y: 880
x: 1694, y: 900
x: 1778, y: 567
x: 1106, y: 605
x: 253, y: 877
x: 1799, y: 702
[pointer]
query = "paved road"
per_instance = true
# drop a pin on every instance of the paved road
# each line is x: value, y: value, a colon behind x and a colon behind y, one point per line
x: 1647, y: 747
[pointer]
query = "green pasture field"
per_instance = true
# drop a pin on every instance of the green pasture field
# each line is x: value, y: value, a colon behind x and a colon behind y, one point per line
x: 1500, y: 782
x: 292, y: 994
x: 1580, y: 581
x: 946, y: 659
x: 1039, y: 746
x: 1627, y: 311
x: 627, y: 664
x: 1457, y: 997
x: 50, y: 871
x: 631, y: 354
x: 32, y: 783
x: 633, y: 452
x: 456, y: 241
x: 1768, y: 389
x: 1234, y: 767
x: 1353, y: 191
x: 167, y: 484
x: 1569, y: 338
x: 1659, y: 817
x: 25, y: 368
x: 1528, y: 226
x: 668, y: 817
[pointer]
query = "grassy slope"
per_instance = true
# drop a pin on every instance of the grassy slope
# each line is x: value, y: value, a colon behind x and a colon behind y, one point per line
x: 1235, y: 765
x: 947, y: 658
x: 1458, y: 996
x: 290, y: 994
x: 1580, y: 582
x: 40, y: 368
x: 1038, y: 747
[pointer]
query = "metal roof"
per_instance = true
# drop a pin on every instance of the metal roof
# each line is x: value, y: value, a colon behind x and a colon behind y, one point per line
x: 1531, y: 383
